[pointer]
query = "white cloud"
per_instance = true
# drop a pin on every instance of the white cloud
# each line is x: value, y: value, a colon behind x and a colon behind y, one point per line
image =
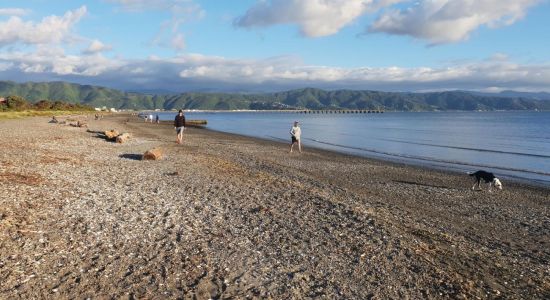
x: 51, y: 30
x: 13, y: 12
x: 436, y: 21
x: 97, y: 46
x: 315, y: 17
x: 448, y: 21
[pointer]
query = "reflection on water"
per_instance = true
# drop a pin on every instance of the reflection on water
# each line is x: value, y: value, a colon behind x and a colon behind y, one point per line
x: 513, y: 144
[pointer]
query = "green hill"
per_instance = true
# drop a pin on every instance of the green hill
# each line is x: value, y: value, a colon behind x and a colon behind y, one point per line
x: 307, y: 98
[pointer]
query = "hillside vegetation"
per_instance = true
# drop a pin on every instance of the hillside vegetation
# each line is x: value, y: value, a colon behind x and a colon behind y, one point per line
x: 14, y: 103
x: 307, y: 98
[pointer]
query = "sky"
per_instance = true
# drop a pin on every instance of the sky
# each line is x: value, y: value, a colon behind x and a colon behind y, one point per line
x: 276, y: 45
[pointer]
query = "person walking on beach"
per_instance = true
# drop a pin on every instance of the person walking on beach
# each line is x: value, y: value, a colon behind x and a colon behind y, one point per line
x: 295, y: 133
x: 179, y: 124
x: 157, y: 119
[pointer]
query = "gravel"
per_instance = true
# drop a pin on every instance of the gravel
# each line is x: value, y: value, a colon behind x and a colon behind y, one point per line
x: 224, y: 216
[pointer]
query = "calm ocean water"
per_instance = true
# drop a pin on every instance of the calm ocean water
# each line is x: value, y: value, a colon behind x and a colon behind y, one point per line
x: 510, y: 144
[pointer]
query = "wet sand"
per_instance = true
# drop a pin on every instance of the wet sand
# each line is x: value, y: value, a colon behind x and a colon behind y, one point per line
x: 226, y: 216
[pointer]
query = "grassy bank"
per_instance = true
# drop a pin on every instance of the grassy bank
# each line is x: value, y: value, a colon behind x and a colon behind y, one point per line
x: 39, y: 113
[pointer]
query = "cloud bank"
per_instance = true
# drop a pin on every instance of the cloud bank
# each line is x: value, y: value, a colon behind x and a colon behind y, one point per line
x: 194, y: 72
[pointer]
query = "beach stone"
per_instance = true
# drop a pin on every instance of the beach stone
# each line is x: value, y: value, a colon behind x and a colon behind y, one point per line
x: 111, y: 134
x: 81, y: 124
x: 122, y: 138
x: 207, y: 289
x: 153, y: 154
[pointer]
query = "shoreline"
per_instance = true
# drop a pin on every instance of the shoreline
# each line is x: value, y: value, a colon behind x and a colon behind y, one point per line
x: 226, y: 216
x: 448, y: 169
x: 398, y: 162
x: 526, y: 171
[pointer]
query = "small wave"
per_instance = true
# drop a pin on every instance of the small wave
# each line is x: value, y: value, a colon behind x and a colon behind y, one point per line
x: 470, y: 149
x: 428, y: 159
x: 277, y: 138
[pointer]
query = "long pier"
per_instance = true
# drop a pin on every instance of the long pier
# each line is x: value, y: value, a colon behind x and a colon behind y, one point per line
x: 296, y: 111
x: 299, y: 111
x: 341, y: 111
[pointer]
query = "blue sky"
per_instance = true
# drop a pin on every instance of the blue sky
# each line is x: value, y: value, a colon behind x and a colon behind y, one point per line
x: 271, y: 45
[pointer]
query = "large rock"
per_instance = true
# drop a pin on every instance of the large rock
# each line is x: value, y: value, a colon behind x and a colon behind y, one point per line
x: 123, y: 138
x: 111, y: 134
x: 153, y: 154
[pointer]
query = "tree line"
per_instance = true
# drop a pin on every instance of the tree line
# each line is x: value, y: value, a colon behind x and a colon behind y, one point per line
x: 17, y: 103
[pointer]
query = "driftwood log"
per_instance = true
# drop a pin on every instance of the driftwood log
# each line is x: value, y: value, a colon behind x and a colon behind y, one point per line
x: 111, y: 134
x: 78, y: 124
x: 122, y: 138
x: 153, y: 154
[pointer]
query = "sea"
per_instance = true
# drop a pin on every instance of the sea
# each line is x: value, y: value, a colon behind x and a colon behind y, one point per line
x: 511, y: 144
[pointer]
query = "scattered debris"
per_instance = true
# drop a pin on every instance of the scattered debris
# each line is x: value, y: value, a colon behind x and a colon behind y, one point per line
x: 153, y: 154
x: 111, y: 134
x: 122, y: 138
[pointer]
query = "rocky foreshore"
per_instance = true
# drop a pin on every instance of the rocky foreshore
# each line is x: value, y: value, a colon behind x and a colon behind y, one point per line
x: 224, y: 216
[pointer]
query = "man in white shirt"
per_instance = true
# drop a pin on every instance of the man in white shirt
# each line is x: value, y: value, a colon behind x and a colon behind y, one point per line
x: 295, y: 133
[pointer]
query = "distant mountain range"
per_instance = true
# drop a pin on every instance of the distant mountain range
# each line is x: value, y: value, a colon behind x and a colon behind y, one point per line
x: 307, y: 98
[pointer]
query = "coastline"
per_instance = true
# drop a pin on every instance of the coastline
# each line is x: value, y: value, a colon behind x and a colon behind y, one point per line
x: 233, y: 216
x: 517, y: 159
x: 394, y: 161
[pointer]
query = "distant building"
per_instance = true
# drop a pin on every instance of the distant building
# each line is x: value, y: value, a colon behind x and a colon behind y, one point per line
x: 2, y: 100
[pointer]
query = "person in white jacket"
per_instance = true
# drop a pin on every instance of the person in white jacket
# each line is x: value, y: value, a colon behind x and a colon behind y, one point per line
x: 295, y: 133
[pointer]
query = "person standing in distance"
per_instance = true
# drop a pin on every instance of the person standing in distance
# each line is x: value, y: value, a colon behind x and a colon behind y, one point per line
x: 295, y: 133
x: 179, y: 124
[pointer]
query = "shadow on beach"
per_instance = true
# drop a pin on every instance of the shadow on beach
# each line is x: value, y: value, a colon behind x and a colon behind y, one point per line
x: 131, y: 156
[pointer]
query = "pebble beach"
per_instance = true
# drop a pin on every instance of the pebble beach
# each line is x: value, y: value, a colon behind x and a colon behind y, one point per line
x: 224, y: 216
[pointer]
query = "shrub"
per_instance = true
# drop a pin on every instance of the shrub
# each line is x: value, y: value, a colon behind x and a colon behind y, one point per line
x: 43, y: 105
x: 16, y: 103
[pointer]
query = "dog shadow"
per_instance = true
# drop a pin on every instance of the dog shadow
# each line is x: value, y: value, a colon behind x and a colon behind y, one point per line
x: 131, y: 156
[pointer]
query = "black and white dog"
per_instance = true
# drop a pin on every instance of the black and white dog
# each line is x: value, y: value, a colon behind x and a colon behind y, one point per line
x: 487, y: 177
